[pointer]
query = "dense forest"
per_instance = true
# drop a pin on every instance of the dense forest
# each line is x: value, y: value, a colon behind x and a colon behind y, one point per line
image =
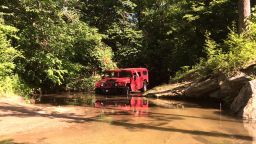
x: 64, y: 45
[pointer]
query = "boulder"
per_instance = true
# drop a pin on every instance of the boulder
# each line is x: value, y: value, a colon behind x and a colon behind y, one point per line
x: 250, y: 109
x: 215, y: 94
x: 230, y: 87
x: 245, y: 103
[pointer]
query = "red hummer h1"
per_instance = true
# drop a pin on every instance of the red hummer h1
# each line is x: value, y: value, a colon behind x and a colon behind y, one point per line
x: 123, y: 80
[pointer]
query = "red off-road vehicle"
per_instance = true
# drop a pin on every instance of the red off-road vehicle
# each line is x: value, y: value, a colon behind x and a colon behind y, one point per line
x: 123, y: 80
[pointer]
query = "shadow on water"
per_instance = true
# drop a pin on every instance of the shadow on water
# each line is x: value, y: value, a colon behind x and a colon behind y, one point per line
x: 9, y: 141
x: 135, y: 105
x: 127, y: 107
x: 23, y: 112
x: 196, y: 102
x: 88, y: 99
x: 78, y: 99
x: 250, y: 126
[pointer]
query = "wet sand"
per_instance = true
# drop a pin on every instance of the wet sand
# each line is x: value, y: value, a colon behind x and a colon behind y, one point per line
x: 120, y: 120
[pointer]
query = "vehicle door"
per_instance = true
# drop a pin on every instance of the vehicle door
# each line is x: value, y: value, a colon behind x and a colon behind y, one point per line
x: 135, y: 85
x: 140, y: 77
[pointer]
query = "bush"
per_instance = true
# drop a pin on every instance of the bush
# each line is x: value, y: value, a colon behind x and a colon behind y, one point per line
x: 236, y: 52
x: 14, y: 86
x: 227, y: 57
x: 83, y: 84
x: 10, y: 84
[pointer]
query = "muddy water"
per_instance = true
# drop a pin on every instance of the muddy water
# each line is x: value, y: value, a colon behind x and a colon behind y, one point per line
x: 138, y: 120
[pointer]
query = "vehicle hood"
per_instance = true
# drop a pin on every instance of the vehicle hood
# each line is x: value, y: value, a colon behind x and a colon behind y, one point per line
x: 106, y: 80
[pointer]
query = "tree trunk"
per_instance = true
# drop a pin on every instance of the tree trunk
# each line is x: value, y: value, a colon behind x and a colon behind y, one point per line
x: 244, y: 11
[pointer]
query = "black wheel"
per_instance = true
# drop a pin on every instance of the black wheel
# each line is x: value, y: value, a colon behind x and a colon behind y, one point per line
x: 144, y: 88
x: 127, y: 90
x: 98, y: 91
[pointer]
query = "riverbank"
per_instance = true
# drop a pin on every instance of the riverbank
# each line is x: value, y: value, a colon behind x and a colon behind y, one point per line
x: 237, y: 92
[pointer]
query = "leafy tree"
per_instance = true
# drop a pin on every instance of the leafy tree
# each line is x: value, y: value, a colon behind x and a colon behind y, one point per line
x: 117, y: 20
x: 65, y: 43
x: 9, y: 82
x: 7, y: 52
x: 174, y: 32
x: 58, y: 48
x: 229, y: 56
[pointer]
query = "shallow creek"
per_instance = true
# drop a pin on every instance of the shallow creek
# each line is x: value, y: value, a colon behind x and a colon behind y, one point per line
x: 136, y: 119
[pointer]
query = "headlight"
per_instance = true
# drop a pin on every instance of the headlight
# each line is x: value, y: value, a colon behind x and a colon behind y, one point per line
x: 102, y: 84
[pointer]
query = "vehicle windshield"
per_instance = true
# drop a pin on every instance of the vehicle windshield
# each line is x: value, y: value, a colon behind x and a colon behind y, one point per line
x: 110, y: 74
x: 123, y: 74
x: 117, y: 74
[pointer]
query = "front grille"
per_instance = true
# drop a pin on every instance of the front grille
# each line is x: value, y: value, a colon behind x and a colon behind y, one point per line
x: 110, y: 83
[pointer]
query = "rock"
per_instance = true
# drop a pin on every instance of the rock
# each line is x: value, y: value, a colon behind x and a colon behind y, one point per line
x: 202, y: 88
x: 250, y: 68
x: 250, y: 109
x: 215, y: 94
x: 234, y: 83
x: 230, y: 88
x: 168, y: 90
x: 245, y: 103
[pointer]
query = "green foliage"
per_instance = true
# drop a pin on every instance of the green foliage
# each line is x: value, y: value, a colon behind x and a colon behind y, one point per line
x: 227, y: 57
x: 127, y: 43
x: 7, y: 52
x: 64, y: 44
x: 58, y: 47
x: 236, y: 51
x: 117, y: 20
x: 10, y: 84
x: 13, y: 86
x: 84, y: 84
x: 184, y: 71
x: 7, y: 86
x: 174, y: 31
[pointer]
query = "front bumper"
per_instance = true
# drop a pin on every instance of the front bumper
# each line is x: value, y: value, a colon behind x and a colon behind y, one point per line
x: 112, y: 90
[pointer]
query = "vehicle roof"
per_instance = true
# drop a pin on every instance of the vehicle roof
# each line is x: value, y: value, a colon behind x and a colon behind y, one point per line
x: 129, y: 69
x: 133, y: 69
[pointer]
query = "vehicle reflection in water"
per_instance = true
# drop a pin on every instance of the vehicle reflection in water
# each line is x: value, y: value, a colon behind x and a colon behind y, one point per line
x: 135, y: 105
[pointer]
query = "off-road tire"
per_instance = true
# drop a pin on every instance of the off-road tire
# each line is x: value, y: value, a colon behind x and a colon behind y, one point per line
x: 98, y: 91
x: 144, y: 88
x: 127, y: 90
